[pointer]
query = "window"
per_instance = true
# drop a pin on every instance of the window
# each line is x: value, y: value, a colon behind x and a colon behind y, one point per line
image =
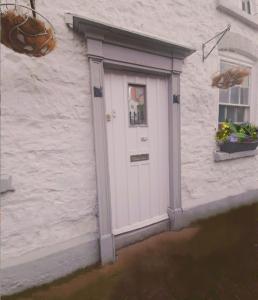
x: 234, y: 103
x: 137, y: 105
x: 246, y: 6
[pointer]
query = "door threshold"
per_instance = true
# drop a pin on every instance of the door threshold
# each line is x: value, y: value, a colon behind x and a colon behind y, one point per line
x: 139, y: 225
x: 125, y: 239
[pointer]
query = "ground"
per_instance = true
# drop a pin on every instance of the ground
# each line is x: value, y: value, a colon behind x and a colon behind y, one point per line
x: 214, y: 259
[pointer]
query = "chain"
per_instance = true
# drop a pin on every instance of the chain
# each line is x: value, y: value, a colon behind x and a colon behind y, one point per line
x: 33, y: 7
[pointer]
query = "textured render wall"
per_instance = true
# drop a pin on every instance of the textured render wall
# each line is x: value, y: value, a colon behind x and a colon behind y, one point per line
x: 202, y: 179
x: 47, y: 147
x: 47, y: 137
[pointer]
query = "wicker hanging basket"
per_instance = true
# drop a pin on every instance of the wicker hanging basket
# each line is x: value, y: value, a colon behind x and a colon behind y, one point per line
x: 32, y: 35
x: 230, y: 78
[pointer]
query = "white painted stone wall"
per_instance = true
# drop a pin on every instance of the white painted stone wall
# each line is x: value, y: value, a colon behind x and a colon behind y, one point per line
x: 47, y: 136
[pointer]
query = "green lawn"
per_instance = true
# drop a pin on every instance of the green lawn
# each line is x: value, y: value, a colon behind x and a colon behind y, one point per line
x: 216, y: 259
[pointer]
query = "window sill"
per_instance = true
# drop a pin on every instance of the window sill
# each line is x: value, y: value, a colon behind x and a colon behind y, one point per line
x: 223, y: 156
x: 237, y: 13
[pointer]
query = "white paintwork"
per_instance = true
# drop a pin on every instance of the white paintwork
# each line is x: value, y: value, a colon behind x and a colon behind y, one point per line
x: 46, y: 123
x: 140, y: 224
x: 139, y: 190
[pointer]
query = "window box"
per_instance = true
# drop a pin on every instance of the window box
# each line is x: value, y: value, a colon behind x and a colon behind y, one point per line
x: 233, y: 147
x: 232, y: 138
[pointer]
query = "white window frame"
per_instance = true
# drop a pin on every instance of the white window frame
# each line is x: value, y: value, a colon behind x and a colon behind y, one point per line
x: 253, y: 6
x: 242, y: 61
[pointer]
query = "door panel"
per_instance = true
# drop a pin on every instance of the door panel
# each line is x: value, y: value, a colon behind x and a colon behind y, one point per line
x: 138, y: 152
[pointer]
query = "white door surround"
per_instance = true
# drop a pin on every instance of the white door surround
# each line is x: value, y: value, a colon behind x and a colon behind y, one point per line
x: 113, y: 48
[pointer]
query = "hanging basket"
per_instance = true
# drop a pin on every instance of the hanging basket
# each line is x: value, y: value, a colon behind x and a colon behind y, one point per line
x: 230, y: 78
x: 30, y: 35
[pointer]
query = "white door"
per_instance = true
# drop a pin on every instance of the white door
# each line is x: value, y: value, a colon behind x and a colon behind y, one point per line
x: 137, y: 131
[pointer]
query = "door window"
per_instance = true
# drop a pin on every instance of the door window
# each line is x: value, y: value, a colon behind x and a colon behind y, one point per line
x: 137, y: 105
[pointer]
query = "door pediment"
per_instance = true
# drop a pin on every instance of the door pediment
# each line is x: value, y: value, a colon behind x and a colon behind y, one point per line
x: 112, y: 35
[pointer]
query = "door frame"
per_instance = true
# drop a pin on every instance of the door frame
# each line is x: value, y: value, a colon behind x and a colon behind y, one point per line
x: 110, y: 47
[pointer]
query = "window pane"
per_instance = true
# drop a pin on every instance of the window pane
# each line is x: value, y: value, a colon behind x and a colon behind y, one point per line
x: 244, y: 96
x: 137, y: 105
x: 225, y: 66
x: 234, y: 97
x: 249, y: 7
x: 243, y: 5
x: 246, y: 6
x: 222, y: 113
x: 246, y: 82
x: 232, y: 114
x: 247, y: 115
x: 243, y: 115
x: 223, y: 96
x: 240, y: 114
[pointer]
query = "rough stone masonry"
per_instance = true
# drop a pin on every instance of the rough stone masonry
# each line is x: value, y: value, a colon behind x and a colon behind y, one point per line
x: 47, y: 133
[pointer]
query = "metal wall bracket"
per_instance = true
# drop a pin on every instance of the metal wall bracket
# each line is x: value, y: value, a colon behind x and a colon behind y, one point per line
x: 220, y: 36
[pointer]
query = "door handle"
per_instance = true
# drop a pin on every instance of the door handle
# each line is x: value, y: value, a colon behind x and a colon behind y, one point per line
x: 110, y: 116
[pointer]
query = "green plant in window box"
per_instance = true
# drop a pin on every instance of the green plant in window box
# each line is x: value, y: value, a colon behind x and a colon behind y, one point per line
x: 233, y: 137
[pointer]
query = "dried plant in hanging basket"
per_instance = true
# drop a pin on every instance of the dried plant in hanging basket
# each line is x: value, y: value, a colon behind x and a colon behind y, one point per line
x: 230, y: 78
x: 26, y: 34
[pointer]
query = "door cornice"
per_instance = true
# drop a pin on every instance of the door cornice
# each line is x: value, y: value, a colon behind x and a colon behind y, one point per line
x: 111, y: 34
